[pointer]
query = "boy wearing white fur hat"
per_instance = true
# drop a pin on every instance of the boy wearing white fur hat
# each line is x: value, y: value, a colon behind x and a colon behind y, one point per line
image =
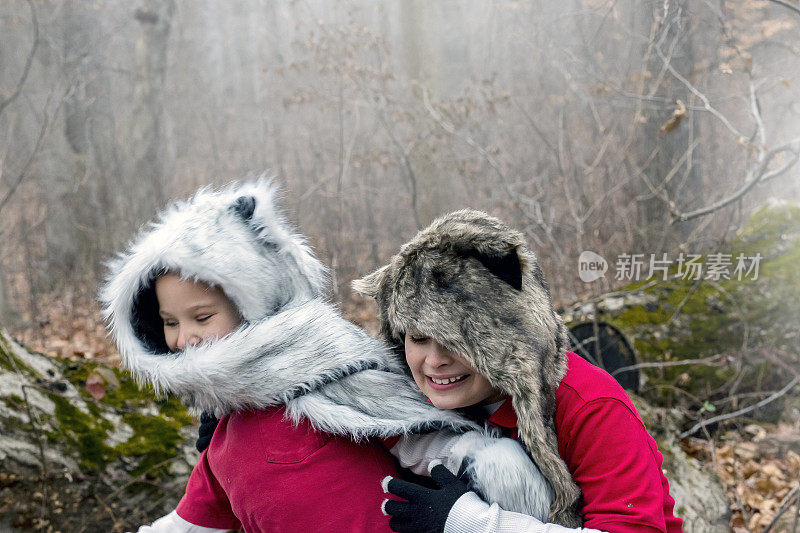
x: 221, y: 303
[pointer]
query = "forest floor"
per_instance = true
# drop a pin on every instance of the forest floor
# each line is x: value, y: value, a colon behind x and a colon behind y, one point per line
x: 759, y: 464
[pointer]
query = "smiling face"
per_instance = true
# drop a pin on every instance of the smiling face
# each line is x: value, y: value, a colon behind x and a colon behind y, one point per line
x: 193, y: 311
x: 444, y: 376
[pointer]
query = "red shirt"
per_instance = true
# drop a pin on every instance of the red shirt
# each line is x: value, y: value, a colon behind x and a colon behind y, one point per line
x: 610, y: 454
x: 262, y: 473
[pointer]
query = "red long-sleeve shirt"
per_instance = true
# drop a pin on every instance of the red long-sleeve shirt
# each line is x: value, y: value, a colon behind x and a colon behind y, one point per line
x: 610, y: 454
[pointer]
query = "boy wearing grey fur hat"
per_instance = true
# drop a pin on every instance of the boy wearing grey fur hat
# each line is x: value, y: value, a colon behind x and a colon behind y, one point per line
x: 221, y: 303
x: 468, y: 310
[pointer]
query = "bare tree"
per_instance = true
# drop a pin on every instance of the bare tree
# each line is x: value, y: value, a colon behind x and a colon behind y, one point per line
x: 149, y: 140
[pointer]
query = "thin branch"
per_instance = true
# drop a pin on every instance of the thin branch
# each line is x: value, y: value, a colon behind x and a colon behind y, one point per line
x: 755, y: 110
x: 23, y: 173
x: 706, y: 103
x: 708, y: 361
x: 742, y: 315
x: 28, y: 61
x: 788, y: 501
x: 787, y: 5
x: 789, y: 386
x: 758, y: 175
x: 671, y: 174
x: 678, y: 309
x: 37, y: 427
x: 451, y: 129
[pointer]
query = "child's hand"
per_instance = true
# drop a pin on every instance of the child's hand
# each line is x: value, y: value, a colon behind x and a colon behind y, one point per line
x: 427, y: 509
x: 208, y: 423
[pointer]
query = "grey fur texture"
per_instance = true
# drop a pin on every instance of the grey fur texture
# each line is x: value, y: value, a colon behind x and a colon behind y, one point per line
x: 293, y: 348
x: 439, y: 285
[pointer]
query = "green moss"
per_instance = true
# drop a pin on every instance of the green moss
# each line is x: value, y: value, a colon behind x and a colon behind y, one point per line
x: 770, y: 221
x: 13, y: 423
x: 11, y: 363
x: 13, y: 400
x: 688, y: 319
x: 84, y: 433
x: 128, y: 394
x: 78, y: 372
x: 173, y: 409
x: 155, y: 440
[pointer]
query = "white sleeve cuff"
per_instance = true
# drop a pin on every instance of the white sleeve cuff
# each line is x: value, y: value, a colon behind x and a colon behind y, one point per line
x: 470, y: 514
x: 415, y: 452
x: 172, y: 523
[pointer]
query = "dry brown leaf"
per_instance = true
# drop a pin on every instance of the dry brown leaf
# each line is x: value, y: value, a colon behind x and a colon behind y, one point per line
x: 677, y: 116
x: 746, y: 450
x: 109, y: 376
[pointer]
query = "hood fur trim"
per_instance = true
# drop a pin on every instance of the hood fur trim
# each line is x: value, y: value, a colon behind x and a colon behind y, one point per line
x: 308, y: 358
x: 469, y: 282
x: 293, y: 348
x: 260, y: 263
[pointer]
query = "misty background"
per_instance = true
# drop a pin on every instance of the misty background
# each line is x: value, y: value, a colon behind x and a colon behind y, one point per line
x: 603, y: 125
x: 613, y: 126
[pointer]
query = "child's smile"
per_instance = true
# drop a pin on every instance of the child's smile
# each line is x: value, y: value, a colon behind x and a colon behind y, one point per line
x: 444, y: 376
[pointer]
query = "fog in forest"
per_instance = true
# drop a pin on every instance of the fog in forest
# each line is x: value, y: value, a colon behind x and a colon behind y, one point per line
x: 625, y: 139
x: 618, y: 127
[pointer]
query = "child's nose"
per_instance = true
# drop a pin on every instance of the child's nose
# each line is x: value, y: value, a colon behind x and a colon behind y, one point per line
x: 187, y: 337
x: 438, y: 355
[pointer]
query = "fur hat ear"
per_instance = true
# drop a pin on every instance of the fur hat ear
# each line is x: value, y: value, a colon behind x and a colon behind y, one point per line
x: 370, y: 284
x: 506, y: 266
x: 244, y: 206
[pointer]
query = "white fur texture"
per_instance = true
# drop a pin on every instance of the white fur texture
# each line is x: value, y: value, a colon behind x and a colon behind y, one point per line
x: 261, y: 264
x: 293, y: 348
x: 503, y: 473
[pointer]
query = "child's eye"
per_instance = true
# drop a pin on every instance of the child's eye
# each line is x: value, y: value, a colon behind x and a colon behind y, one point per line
x: 170, y: 323
x: 203, y: 318
x: 418, y: 339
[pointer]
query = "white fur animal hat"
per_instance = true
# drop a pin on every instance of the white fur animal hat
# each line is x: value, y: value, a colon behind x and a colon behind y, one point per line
x: 234, y: 238
x: 469, y: 282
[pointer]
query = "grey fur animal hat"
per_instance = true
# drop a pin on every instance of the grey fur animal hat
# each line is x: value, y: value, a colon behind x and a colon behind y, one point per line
x: 469, y: 282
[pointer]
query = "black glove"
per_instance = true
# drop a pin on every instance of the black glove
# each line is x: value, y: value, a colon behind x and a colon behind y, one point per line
x: 208, y: 423
x: 426, y: 509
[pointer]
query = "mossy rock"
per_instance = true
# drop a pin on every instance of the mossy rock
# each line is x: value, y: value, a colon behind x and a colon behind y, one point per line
x: 121, y: 448
x: 751, y: 324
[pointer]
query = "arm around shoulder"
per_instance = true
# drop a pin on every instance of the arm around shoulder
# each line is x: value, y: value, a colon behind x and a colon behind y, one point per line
x: 470, y: 514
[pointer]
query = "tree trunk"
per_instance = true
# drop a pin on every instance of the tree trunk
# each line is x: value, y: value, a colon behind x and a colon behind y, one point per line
x: 149, y: 133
